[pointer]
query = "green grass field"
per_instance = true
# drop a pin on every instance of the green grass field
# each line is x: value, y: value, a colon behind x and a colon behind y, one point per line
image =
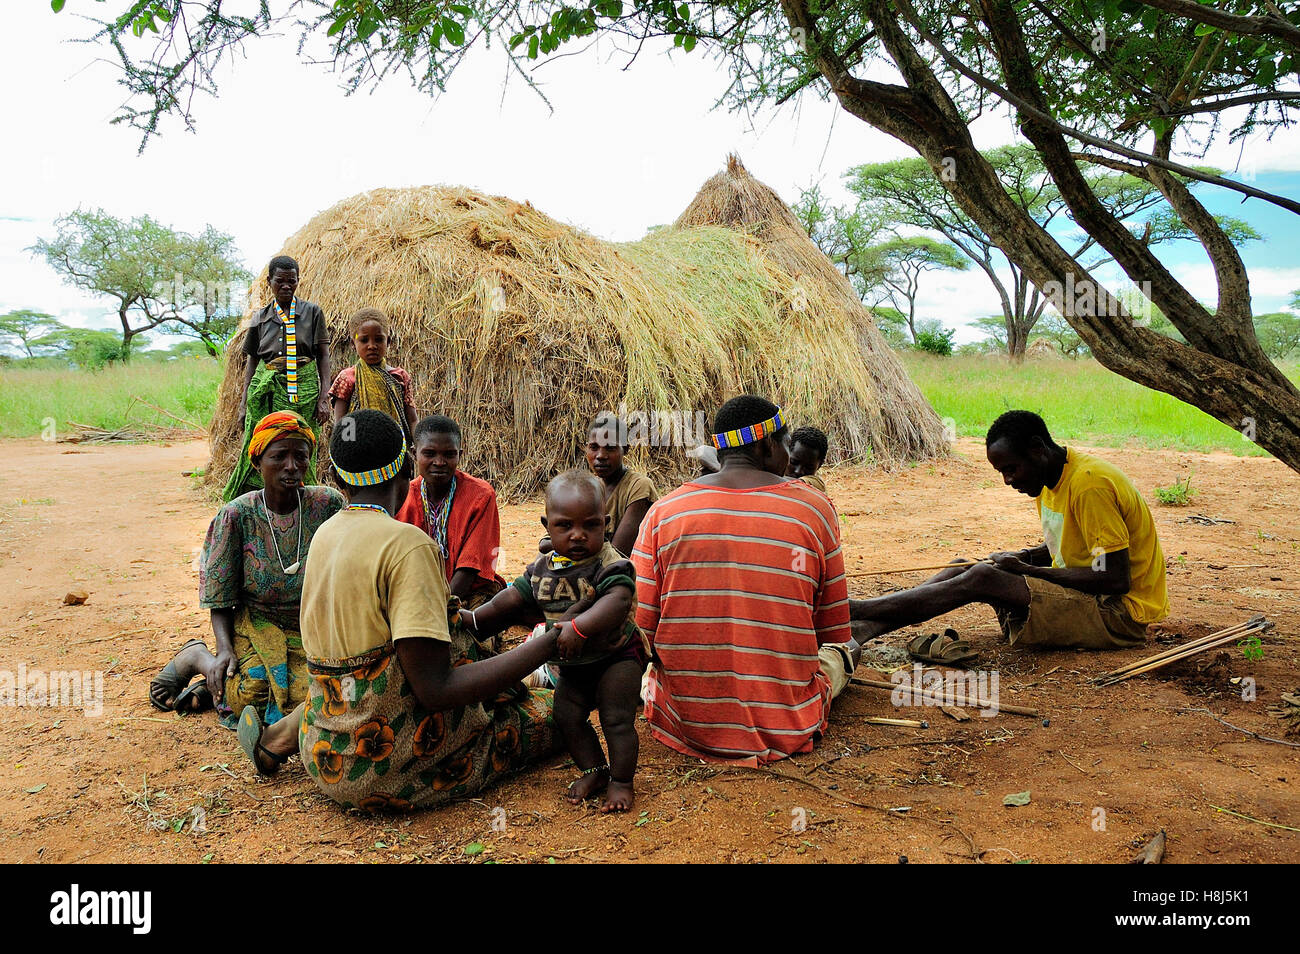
x: 1080, y: 400
x: 186, y: 387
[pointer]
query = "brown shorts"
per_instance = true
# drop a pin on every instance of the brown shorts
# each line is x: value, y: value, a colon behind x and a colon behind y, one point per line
x: 1061, y: 617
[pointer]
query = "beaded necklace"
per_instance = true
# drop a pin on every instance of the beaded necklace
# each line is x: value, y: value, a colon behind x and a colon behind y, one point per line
x: 290, y: 348
x: 375, y: 507
x: 435, y: 518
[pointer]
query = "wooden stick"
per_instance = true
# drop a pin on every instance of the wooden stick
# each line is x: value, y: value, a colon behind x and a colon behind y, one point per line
x: 1257, y: 821
x: 905, y: 723
x: 1170, y: 660
x: 1212, y: 641
x: 1189, y: 653
x: 1172, y: 651
x: 140, y: 400
x: 958, y: 701
x: 916, y: 569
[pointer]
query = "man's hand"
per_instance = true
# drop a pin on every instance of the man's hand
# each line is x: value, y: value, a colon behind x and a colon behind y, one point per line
x: 323, y: 409
x: 1011, y: 562
x: 570, y: 644
x: 222, y: 667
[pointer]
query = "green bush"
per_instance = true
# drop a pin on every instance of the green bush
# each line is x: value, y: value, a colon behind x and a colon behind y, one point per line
x: 936, y: 341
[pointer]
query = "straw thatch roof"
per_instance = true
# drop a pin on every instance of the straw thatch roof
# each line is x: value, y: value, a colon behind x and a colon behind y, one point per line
x: 522, y: 328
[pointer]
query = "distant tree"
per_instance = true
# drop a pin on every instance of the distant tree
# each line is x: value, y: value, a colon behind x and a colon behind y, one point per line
x: 994, y: 329
x: 158, y: 277
x: 25, y: 327
x: 901, y: 262
x: 1279, y: 334
x: 906, y: 191
x: 1054, y: 328
x: 86, y: 348
x: 844, y: 236
x: 890, y: 322
x: 211, y: 295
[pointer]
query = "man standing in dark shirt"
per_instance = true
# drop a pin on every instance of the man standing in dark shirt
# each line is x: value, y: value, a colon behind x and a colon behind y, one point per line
x: 283, y: 371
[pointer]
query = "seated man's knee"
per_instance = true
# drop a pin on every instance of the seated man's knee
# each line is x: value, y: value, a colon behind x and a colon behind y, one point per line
x: 979, y: 578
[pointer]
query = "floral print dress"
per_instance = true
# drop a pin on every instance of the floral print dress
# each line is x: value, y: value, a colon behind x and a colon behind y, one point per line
x: 369, y: 744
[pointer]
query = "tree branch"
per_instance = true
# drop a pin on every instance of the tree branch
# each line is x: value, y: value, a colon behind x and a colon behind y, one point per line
x: 1031, y: 111
x: 1272, y: 25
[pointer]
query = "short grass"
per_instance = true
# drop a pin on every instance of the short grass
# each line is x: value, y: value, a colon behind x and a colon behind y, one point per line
x: 1080, y: 400
x: 31, y: 398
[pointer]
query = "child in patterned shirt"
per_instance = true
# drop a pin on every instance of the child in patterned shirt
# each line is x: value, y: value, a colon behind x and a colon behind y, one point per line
x: 587, y: 589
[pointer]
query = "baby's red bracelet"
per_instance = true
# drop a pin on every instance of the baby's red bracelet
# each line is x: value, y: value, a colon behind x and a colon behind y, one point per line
x: 577, y: 632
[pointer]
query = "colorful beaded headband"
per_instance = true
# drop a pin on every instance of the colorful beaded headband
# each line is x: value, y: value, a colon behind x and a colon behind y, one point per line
x: 368, y: 478
x: 751, y: 434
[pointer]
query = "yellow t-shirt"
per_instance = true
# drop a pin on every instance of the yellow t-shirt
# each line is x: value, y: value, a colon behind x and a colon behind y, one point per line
x: 1093, y: 509
x: 368, y: 579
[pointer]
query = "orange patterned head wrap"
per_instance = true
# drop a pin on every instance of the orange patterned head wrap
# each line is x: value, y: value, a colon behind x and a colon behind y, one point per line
x: 276, y: 425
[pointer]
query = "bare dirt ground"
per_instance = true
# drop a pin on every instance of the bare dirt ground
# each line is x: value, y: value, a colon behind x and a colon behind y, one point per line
x: 123, y: 523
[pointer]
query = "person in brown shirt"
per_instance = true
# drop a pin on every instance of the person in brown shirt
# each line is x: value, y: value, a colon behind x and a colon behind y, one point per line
x: 267, y: 386
x: 628, y: 493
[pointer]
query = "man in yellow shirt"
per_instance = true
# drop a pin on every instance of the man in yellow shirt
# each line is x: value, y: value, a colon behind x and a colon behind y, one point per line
x: 1096, y: 581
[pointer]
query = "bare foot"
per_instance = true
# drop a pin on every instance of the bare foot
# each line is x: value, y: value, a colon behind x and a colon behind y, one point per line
x: 587, y: 785
x: 619, y: 797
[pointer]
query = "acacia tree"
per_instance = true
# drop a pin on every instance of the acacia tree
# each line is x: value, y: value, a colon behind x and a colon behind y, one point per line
x: 26, y: 327
x: 157, y: 277
x: 1123, y: 84
x: 902, y: 261
x: 844, y: 236
x: 906, y: 191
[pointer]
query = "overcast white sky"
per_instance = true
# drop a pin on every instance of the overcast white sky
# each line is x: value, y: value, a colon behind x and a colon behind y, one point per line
x: 623, y: 150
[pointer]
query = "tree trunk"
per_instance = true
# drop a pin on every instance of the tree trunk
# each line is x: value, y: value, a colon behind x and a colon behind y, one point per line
x: 1016, y: 340
x: 127, y: 333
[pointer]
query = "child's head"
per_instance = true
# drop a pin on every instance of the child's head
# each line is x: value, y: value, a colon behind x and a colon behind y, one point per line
x: 807, y: 452
x: 606, y: 444
x: 575, y: 514
x: 371, y: 334
x: 437, y: 451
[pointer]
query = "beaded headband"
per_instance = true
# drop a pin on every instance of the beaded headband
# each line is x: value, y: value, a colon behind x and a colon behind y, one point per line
x: 751, y: 434
x: 368, y: 478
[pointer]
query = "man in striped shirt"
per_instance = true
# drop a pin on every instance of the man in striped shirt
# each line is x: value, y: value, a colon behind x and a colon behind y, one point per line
x: 741, y: 591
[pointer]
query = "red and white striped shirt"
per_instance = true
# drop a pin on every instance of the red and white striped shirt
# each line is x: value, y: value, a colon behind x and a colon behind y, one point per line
x: 736, y: 590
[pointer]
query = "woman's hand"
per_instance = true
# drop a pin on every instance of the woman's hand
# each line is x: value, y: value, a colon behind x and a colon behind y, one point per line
x: 222, y: 667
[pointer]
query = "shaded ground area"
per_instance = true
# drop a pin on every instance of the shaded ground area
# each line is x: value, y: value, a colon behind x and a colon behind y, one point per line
x: 126, y: 784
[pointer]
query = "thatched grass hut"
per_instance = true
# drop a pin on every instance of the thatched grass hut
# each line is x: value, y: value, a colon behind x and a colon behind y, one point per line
x: 522, y: 328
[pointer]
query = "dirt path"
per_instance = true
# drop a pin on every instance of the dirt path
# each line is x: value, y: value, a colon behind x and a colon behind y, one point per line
x: 123, y: 523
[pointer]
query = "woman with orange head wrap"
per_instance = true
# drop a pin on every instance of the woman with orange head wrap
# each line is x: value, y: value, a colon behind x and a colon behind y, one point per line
x: 250, y: 579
